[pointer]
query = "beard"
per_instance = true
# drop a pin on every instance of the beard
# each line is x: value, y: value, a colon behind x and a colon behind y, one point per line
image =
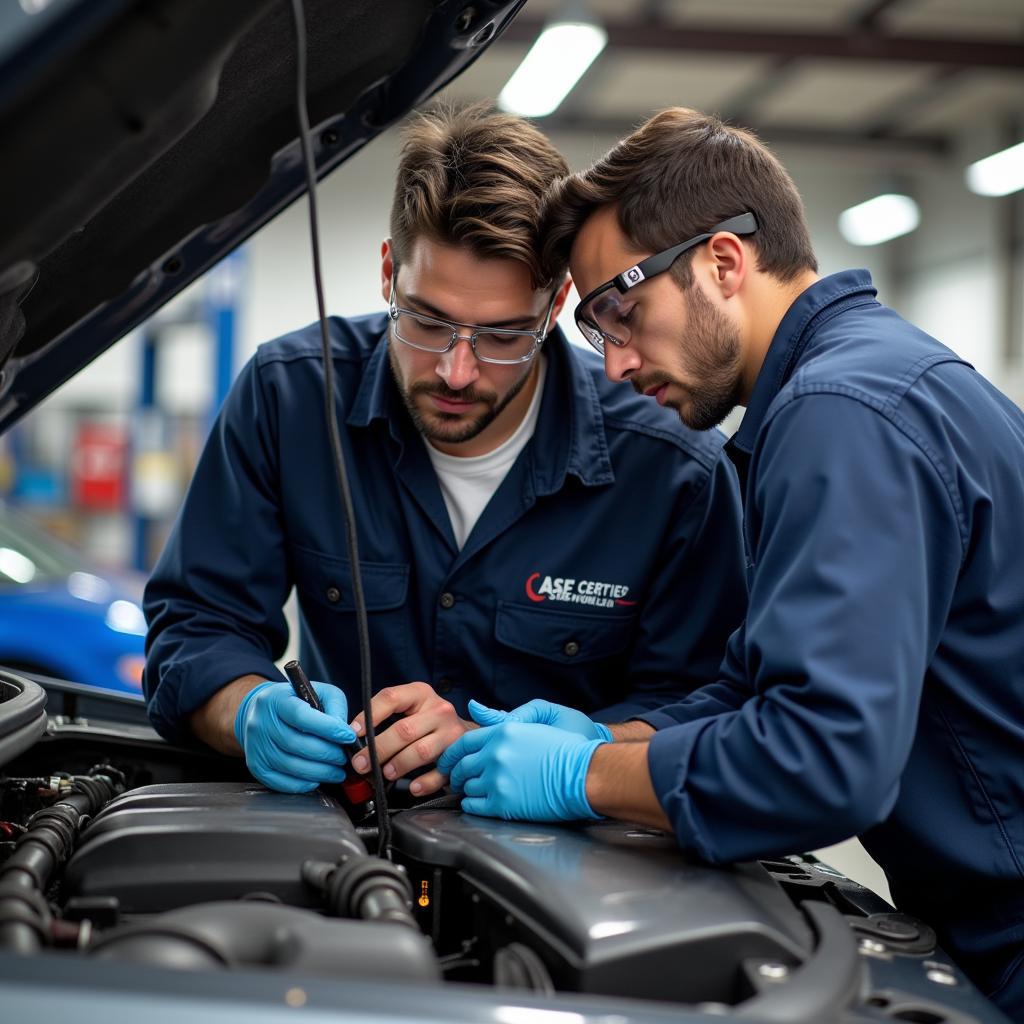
x: 710, y: 355
x: 450, y: 427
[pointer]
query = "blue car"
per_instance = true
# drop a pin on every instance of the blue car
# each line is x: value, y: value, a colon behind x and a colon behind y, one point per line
x: 60, y: 619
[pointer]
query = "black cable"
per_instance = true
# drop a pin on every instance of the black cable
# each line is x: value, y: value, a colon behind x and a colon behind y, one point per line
x: 383, y: 820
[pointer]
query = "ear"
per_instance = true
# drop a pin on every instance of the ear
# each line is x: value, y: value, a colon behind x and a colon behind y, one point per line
x: 387, y: 268
x: 560, y: 296
x: 730, y: 261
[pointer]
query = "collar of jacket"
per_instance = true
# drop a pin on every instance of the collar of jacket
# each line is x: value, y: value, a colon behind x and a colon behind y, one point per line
x: 571, y: 421
x: 823, y: 300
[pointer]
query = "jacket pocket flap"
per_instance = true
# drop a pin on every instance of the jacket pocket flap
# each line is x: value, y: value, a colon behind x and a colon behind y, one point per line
x: 566, y: 637
x: 329, y: 579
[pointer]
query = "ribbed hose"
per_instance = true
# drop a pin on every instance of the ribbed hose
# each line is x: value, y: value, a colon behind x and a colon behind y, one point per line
x: 46, y: 844
x: 366, y: 887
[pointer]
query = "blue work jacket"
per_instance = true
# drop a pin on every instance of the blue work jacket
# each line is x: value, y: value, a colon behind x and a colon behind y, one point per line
x: 605, y: 573
x: 877, y: 684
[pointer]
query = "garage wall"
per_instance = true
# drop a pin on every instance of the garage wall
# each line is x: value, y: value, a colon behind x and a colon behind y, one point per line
x: 955, y: 276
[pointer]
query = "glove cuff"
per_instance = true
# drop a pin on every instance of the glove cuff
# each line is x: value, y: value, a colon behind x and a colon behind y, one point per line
x: 581, y: 805
x: 603, y: 732
x: 239, y: 726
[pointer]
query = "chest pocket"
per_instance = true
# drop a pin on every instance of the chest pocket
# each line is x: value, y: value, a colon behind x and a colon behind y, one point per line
x: 329, y: 580
x: 574, y: 658
x: 328, y: 604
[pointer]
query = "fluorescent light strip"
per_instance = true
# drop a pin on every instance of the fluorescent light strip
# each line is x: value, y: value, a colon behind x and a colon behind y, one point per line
x: 879, y: 219
x: 555, y: 63
x: 998, y: 174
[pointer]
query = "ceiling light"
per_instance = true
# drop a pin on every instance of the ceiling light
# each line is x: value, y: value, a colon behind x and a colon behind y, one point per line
x: 87, y: 587
x: 998, y: 174
x: 879, y: 219
x: 126, y: 617
x: 555, y: 63
x: 15, y: 566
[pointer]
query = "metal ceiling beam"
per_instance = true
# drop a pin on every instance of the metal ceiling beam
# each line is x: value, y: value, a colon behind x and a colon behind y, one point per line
x: 895, y: 114
x: 852, y: 45
x: 742, y: 107
x: 872, y: 13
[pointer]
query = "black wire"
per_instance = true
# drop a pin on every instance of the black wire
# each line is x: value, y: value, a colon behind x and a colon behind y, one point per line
x: 383, y: 820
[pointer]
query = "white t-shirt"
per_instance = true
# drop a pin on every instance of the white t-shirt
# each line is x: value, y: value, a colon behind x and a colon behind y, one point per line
x: 469, y: 482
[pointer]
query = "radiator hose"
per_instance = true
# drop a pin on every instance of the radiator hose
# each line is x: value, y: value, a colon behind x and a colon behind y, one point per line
x: 366, y: 887
x: 45, y: 845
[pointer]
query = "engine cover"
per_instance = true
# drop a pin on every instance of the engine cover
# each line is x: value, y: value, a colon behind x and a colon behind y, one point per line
x: 161, y: 847
x: 610, y: 907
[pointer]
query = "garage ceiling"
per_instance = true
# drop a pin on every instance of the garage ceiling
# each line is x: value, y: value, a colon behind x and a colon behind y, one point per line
x: 887, y: 75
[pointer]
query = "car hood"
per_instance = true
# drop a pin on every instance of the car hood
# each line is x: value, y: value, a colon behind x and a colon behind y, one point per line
x: 145, y: 139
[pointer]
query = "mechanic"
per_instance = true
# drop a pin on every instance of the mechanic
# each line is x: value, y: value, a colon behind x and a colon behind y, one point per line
x: 492, y: 469
x: 876, y: 687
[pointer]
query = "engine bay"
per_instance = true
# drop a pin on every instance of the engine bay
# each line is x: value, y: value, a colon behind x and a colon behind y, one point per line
x: 117, y: 848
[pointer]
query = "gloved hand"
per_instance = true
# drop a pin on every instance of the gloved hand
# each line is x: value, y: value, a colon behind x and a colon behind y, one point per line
x: 543, y: 712
x: 287, y: 744
x: 521, y: 771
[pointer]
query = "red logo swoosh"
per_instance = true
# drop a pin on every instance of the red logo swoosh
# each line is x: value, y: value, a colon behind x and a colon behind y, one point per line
x: 619, y: 600
x: 530, y: 592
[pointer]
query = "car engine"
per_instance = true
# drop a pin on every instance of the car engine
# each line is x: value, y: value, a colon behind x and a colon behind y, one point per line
x: 117, y: 848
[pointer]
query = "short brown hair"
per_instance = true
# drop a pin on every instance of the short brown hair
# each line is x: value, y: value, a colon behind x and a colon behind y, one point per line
x: 677, y: 175
x: 476, y: 177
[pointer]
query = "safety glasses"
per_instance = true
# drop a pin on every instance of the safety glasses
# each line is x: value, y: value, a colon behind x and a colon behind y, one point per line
x: 602, y: 317
x: 490, y: 344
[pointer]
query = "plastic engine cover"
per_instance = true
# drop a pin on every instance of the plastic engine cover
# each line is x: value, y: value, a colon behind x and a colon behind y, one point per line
x: 612, y: 908
x: 161, y: 847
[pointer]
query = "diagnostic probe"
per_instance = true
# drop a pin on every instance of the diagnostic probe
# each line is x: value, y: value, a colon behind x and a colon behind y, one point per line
x: 357, y: 790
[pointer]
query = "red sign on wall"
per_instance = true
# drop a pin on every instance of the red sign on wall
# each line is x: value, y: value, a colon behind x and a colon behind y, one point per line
x: 98, y: 462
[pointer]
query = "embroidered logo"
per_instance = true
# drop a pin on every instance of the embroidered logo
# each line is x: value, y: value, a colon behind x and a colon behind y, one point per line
x: 571, y: 591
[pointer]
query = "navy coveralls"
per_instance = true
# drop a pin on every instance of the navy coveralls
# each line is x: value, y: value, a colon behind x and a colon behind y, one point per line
x: 606, y: 572
x: 877, y: 684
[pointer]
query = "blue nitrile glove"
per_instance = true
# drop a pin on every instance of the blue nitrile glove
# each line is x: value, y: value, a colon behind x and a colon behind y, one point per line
x: 542, y: 712
x: 287, y: 744
x: 521, y: 771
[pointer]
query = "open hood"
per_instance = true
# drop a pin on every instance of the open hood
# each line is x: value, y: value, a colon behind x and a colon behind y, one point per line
x: 143, y: 140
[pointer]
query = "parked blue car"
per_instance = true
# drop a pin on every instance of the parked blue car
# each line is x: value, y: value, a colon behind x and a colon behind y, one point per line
x: 58, y: 618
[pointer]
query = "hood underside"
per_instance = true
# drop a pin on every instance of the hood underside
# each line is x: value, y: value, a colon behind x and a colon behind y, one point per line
x: 145, y: 140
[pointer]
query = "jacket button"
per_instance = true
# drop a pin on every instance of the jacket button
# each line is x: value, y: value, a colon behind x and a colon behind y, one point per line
x: 445, y: 685
x: 333, y: 595
x: 571, y: 649
x: 447, y: 599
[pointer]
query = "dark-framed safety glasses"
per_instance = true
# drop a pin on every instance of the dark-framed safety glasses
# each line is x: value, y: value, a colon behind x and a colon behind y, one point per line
x: 601, y: 317
x: 490, y: 344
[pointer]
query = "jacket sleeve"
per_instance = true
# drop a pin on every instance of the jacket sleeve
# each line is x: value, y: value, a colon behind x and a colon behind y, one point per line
x: 214, y: 601
x: 697, y: 599
x: 857, y: 549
